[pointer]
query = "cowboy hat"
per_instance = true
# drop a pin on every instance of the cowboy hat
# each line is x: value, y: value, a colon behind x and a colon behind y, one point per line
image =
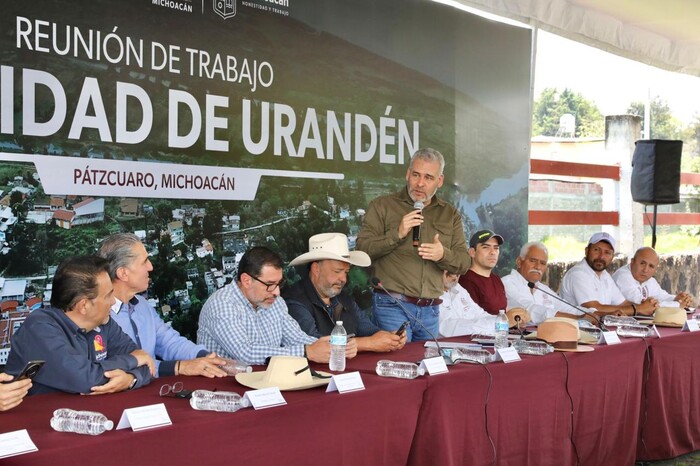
x: 670, y: 317
x: 562, y: 333
x: 333, y: 246
x: 286, y: 373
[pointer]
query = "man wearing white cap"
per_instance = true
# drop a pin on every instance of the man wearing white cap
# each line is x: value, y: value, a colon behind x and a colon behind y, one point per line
x: 588, y: 284
x: 317, y: 301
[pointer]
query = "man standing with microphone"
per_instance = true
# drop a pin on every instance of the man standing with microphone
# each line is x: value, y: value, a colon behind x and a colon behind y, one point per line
x: 411, y: 271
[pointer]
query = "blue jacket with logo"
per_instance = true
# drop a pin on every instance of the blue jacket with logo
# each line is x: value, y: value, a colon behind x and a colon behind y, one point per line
x: 76, y: 360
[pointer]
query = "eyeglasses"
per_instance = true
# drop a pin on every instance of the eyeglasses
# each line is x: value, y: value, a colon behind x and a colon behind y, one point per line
x: 175, y: 390
x: 270, y: 287
x: 171, y: 390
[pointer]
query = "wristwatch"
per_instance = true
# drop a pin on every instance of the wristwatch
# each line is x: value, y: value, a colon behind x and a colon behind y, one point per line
x: 133, y: 383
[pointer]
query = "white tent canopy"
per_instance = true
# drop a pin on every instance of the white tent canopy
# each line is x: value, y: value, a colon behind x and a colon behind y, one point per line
x: 663, y: 33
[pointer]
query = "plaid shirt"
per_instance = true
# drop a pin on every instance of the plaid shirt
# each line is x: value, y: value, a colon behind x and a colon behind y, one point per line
x: 231, y: 327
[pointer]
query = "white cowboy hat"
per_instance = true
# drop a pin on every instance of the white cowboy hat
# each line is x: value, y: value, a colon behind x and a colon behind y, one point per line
x: 333, y: 246
x: 286, y: 373
x: 670, y: 317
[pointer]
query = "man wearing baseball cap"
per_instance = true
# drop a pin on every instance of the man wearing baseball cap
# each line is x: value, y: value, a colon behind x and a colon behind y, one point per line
x: 484, y: 286
x: 317, y: 301
x: 588, y: 284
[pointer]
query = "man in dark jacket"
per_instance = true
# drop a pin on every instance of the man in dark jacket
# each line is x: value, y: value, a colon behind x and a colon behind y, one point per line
x: 317, y: 301
x: 85, y: 351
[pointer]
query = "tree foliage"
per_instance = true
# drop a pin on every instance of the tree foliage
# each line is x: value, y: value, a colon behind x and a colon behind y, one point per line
x: 663, y: 124
x: 552, y: 104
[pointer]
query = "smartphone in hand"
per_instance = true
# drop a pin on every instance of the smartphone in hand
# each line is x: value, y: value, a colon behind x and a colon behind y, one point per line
x: 402, y: 329
x: 29, y: 371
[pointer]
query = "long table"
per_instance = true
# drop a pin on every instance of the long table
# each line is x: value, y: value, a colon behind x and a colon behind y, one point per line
x: 528, y: 408
x: 670, y: 411
x: 374, y: 426
x: 609, y: 406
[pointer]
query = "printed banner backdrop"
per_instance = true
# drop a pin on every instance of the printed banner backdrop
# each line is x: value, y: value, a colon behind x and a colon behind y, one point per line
x: 206, y: 126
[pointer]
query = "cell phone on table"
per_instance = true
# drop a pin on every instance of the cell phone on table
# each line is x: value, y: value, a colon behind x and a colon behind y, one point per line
x: 29, y: 371
x: 402, y: 329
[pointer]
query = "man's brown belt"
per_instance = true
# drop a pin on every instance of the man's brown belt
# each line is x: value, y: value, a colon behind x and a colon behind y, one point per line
x: 410, y: 299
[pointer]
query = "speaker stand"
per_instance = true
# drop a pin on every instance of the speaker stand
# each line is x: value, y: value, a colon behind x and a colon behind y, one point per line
x: 653, y: 229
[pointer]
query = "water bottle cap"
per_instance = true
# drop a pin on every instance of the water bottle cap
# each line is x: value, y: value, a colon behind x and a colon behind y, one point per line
x: 109, y: 425
x: 338, y: 322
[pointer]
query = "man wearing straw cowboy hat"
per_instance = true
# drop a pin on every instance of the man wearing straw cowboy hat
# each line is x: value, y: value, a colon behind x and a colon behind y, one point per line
x: 317, y: 301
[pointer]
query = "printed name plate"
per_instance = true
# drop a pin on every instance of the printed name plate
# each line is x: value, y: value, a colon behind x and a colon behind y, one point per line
x: 507, y: 354
x: 434, y: 365
x: 145, y: 417
x: 343, y: 383
x: 610, y: 338
x: 16, y: 443
x: 265, y: 398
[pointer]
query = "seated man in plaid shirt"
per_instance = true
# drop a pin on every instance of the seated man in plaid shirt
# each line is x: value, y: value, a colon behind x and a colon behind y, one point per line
x: 247, y: 320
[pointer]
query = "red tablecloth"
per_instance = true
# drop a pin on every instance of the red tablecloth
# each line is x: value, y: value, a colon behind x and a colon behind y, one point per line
x: 529, y: 410
x: 437, y: 419
x: 670, y: 411
x: 374, y: 426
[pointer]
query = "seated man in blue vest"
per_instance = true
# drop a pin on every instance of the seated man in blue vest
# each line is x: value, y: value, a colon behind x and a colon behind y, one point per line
x: 317, y: 301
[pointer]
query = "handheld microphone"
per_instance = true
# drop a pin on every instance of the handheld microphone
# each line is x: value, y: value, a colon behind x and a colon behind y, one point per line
x: 377, y: 283
x: 532, y: 285
x: 416, y: 229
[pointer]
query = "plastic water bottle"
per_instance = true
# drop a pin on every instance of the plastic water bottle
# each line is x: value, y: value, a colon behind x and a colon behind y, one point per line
x: 229, y: 402
x: 233, y: 367
x: 480, y: 356
x: 80, y: 422
x: 532, y: 347
x: 639, y: 331
x: 339, y: 340
x: 501, y: 330
x: 400, y: 370
x: 614, y: 321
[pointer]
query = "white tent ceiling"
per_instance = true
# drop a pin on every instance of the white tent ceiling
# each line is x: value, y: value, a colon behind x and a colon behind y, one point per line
x: 662, y: 33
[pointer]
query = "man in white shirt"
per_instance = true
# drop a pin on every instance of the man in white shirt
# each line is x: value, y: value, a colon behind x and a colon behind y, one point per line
x: 637, y: 283
x: 460, y: 315
x: 531, y: 265
x: 588, y: 284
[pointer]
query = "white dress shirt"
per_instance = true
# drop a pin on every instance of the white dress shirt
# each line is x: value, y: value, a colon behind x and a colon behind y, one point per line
x: 637, y: 292
x: 460, y: 315
x: 581, y: 284
x: 536, y: 302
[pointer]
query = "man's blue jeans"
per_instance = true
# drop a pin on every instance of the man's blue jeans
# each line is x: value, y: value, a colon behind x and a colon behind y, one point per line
x: 389, y: 316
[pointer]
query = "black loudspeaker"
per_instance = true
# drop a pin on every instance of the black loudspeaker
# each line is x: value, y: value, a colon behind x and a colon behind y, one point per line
x: 656, y: 171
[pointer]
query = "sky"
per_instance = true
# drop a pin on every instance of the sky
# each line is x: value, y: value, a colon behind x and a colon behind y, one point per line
x: 612, y: 82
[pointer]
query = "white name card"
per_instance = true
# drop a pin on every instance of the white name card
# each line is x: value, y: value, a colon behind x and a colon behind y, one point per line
x: 434, y: 365
x: 507, y: 355
x: 145, y: 417
x: 610, y: 338
x: 691, y: 325
x: 265, y: 398
x: 344, y: 383
x: 16, y: 443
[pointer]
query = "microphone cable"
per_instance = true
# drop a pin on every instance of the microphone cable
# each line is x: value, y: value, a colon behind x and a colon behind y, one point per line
x: 571, y: 403
x: 486, y: 412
